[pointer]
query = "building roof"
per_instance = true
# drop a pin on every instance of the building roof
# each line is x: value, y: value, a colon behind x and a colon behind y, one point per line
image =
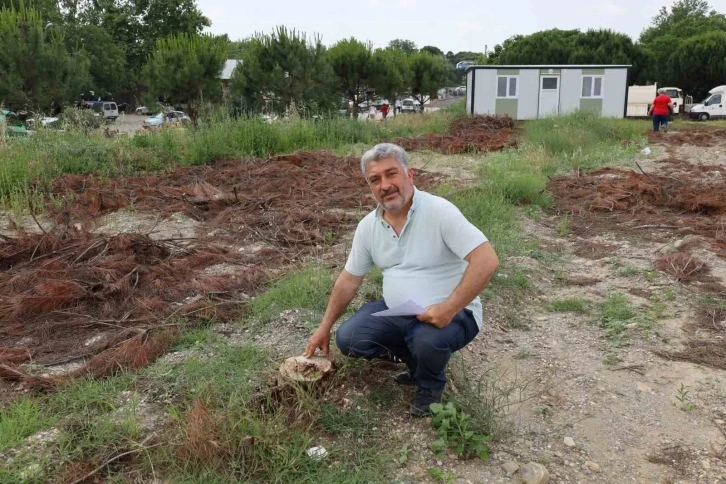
x: 229, y: 66
x: 552, y: 66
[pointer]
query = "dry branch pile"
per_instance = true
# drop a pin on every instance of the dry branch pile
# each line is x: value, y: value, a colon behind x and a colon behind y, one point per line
x: 291, y: 201
x: 61, y: 287
x: 478, y: 134
x: 615, y: 200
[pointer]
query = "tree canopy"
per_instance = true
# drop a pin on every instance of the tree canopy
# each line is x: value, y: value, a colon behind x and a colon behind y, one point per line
x: 185, y: 68
x: 428, y: 74
x: 38, y: 72
x: 352, y: 64
x: 283, y: 69
x: 699, y: 63
x: 670, y: 30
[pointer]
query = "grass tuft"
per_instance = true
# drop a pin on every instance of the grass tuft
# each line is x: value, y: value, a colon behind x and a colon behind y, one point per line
x: 572, y: 305
x: 305, y: 289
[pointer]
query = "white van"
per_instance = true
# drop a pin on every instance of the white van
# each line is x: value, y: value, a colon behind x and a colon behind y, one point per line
x: 712, y: 107
x: 106, y: 109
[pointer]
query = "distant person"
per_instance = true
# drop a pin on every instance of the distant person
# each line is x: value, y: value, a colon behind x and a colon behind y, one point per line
x: 384, y: 111
x: 372, y: 112
x: 660, y: 110
x: 428, y: 252
x: 399, y: 106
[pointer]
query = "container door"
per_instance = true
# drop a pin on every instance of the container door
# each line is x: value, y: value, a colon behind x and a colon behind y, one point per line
x: 549, y: 96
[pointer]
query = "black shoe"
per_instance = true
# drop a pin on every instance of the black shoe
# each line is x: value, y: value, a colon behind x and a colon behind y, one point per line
x: 423, y: 399
x: 405, y: 378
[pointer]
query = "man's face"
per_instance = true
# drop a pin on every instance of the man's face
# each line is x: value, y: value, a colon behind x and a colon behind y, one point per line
x: 391, y: 186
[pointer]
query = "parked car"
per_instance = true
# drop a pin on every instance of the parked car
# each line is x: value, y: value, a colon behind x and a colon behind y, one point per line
x: 712, y: 107
x: 409, y: 106
x: 45, y: 121
x: 171, y: 117
x: 108, y: 110
x: 13, y: 125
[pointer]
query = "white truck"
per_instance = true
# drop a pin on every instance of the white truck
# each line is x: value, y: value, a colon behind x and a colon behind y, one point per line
x: 712, y: 107
x: 640, y: 99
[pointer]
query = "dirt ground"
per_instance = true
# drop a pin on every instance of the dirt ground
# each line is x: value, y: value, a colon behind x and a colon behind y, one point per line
x: 587, y: 410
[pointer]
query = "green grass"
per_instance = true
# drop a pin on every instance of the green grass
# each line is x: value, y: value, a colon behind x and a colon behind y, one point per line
x: 583, y: 138
x: 628, y: 271
x: 220, y: 372
x: 572, y: 305
x: 305, y: 289
x: 20, y: 419
x: 615, y: 313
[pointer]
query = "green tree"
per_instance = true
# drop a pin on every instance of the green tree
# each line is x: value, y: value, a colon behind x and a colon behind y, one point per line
x: 107, y: 59
x: 390, y: 74
x: 136, y: 25
x: 236, y: 49
x: 47, y: 9
x: 38, y: 72
x: 352, y: 66
x: 283, y: 69
x: 185, y: 68
x: 553, y: 46
x: 428, y: 74
x: 669, y: 29
x: 571, y: 47
x: 432, y: 50
x: 407, y: 46
x: 699, y: 63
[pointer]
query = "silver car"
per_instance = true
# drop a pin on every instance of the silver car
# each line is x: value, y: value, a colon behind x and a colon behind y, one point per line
x: 168, y: 118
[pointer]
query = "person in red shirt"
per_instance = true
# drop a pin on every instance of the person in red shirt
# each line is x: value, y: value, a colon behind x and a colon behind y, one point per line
x: 661, y: 109
x: 384, y: 110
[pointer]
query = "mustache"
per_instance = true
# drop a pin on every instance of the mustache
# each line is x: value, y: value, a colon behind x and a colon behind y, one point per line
x: 390, y: 191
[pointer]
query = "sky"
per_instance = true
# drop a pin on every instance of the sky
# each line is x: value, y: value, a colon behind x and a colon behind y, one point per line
x: 451, y: 25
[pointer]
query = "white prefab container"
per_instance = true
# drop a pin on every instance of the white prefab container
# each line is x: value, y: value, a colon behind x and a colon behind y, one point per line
x: 538, y: 91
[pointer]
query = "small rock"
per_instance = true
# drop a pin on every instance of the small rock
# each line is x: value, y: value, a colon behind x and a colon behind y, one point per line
x: 643, y: 388
x: 533, y: 473
x: 706, y: 464
x: 510, y: 468
x: 593, y: 466
x: 317, y: 452
x: 569, y: 442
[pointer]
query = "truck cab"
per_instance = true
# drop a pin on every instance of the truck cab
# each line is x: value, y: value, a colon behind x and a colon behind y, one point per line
x: 712, y: 107
x: 676, y: 96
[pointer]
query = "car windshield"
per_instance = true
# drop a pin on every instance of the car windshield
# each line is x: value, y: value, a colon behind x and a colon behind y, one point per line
x: 158, y: 116
x: 673, y: 93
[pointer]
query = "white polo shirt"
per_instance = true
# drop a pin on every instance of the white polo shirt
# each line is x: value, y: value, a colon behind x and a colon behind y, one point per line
x: 426, y: 262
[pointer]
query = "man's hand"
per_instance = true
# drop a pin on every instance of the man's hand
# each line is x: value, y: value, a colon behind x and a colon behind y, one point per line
x: 319, y: 339
x: 438, y: 315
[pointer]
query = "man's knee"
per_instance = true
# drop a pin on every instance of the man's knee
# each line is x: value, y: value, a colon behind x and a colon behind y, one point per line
x: 427, y: 342
x: 344, y: 339
x: 350, y: 342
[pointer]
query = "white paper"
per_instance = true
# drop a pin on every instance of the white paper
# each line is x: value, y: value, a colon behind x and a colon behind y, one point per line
x: 409, y: 308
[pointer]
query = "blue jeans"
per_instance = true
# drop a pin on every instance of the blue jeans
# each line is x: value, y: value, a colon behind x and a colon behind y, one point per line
x: 425, y: 348
x: 658, y: 121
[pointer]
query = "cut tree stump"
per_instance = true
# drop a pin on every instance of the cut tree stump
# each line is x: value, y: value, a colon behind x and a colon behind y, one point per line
x: 302, y: 369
